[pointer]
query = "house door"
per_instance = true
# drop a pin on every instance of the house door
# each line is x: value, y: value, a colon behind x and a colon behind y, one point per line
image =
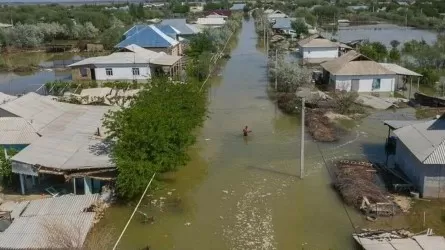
x: 93, y: 74
x: 355, y: 85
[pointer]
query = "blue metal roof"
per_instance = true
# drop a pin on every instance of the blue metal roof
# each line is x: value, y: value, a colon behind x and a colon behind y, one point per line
x: 179, y: 24
x: 167, y: 29
x: 147, y: 37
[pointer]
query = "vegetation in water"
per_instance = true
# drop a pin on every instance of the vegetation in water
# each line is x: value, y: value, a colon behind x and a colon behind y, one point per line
x: 207, y: 47
x: 5, y: 166
x: 59, y: 87
x: 154, y: 133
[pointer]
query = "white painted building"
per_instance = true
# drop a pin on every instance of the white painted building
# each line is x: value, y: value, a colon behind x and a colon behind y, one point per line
x: 132, y: 63
x: 318, y: 48
x: 212, y: 22
x: 355, y: 72
x: 420, y: 154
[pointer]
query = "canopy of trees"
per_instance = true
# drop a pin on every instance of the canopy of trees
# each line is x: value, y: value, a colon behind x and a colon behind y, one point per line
x: 153, y: 134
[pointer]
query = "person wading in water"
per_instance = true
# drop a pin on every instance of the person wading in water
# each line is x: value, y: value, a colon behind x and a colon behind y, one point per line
x: 246, y: 131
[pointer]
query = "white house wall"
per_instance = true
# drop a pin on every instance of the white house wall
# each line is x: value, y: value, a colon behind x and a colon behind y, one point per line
x: 123, y: 73
x: 428, y: 179
x: 387, y: 83
x: 319, y: 52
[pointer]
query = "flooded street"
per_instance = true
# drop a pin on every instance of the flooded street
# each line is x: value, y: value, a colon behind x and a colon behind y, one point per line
x: 247, y: 194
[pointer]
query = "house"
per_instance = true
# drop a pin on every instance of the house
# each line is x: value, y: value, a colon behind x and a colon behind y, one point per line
x: 131, y: 63
x: 150, y: 37
x: 317, y: 48
x: 355, y: 72
x: 419, y: 154
x: 276, y: 14
x: 226, y: 13
x: 185, y: 29
x: 211, y: 22
x: 65, y: 141
x: 237, y: 7
x: 49, y: 223
x: 282, y: 25
x: 216, y: 15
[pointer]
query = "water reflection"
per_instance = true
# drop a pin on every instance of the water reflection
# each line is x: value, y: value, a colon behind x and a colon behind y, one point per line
x: 383, y: 33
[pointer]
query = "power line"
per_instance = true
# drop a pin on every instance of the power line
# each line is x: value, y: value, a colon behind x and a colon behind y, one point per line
x: 344, y: 207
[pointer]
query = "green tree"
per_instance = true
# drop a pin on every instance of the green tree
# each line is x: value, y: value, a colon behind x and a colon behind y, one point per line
x: 140, y: 12
x: 300, y: 27
x: 429, y: 76
x: 200, y: 43
x: 112, y: 36
x: 375, y: 50
x: 154, y: 133
x: 5, y: 166
x: 394, y: 55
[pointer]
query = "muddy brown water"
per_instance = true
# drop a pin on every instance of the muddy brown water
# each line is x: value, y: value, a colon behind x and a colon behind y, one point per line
x: 247, y: 194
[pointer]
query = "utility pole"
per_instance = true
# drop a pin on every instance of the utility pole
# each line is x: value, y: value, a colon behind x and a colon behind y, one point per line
x: 302, y: 140
x: 276, y: 69
x: 264, y: 30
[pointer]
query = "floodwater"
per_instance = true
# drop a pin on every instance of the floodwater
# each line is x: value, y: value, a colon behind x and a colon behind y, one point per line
x: 247, y: 194
x: 383, y: 33
x: 24, y: 82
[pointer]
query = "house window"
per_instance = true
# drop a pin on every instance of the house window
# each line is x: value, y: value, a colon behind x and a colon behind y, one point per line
x: 109, y: 71
x: 376, y: 84
x: 135, y: 71
x: 83, y: 72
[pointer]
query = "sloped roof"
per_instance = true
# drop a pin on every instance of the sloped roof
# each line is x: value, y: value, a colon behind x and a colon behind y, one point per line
x: 16, y: 131
x: 426, y: 140
x: 211, y: 21
x: 335, y: 65
x: 238, y: 6
x: 277, y: 15
x: 283, y: 23
x: 130, y: 54
x: 227, y: 13
x: 34, y: 228
x: 355, y: 68
x: 67, y: 130
x: 308, y: 39
x: 182, y: 26
x: 399, y: 70
x: 37, y: 110
x: 216, y: 15
x: 168, y: 30
x: 147, y: 36
x: 320, y: 43
x: 4, y: 98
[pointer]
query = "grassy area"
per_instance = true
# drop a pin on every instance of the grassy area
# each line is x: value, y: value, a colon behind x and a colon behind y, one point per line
x: 425, y: 112
x: 434, y: 216
x: 427, y: 89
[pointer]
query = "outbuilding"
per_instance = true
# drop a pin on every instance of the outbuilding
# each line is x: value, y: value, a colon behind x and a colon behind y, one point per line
x: 420, y: 154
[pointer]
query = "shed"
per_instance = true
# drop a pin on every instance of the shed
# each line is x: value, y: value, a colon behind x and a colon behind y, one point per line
x: 404, y: 76
x: 420, y: 154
